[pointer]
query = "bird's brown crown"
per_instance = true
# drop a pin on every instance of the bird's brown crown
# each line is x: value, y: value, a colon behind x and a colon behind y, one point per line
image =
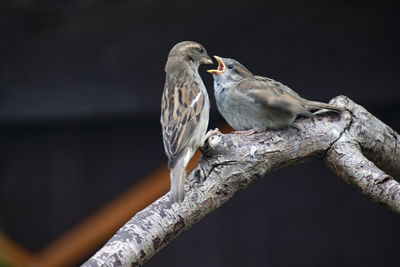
x: 190, y: 51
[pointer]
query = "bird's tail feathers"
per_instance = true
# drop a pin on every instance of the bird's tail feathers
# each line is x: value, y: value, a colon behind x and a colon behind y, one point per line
x: 178, y: 174
x: 320, y: 105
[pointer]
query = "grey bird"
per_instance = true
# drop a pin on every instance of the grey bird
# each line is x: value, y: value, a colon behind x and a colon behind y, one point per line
x: 250, y: 102
x: 184, y: 111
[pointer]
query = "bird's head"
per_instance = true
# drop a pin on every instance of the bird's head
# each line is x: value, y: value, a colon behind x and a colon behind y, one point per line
x: 191, y: 51
x: 229, y: 69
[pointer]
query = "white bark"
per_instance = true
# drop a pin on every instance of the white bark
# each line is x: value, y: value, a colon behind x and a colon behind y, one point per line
x: 352, y: 144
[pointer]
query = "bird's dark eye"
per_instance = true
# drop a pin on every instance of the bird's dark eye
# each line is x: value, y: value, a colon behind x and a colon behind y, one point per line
x: 201, y: 50
x: 230, y: 66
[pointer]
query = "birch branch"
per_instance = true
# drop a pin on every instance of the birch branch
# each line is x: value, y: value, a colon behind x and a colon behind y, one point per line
x: 355, y: 145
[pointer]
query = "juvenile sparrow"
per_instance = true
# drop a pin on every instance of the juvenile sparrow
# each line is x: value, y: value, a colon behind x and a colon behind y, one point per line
x: 247, y: 101
x: 184, y: 110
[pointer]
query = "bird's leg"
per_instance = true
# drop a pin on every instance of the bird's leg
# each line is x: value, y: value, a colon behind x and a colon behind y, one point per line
x: 186, y: 176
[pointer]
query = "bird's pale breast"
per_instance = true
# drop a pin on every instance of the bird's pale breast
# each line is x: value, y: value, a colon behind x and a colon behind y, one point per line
x: 243, y: 113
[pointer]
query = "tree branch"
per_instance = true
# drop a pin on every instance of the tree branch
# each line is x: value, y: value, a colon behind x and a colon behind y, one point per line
x: 349, y: 143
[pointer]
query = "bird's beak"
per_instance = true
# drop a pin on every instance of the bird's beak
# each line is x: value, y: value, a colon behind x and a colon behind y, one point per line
x: 208, y: 60
x: 221, y: 67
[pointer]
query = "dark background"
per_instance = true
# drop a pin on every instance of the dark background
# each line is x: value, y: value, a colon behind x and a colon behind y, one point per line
x: 80, y: 92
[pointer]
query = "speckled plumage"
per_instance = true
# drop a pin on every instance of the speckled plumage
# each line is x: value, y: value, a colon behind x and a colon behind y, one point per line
x: 184, y: 110
x: 247, y: 101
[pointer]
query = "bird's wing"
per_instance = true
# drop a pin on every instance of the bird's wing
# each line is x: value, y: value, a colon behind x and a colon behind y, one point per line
x: 280, y: 85
x: 181, y: 106
x: 272, y: 94
x: 309, y: 105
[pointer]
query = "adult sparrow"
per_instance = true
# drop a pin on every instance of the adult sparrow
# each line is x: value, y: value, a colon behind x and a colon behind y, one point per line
x: 184, y: 110
x: 247, y: 101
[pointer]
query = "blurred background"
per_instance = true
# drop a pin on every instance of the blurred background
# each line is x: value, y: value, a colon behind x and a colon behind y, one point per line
x: 81, y: 149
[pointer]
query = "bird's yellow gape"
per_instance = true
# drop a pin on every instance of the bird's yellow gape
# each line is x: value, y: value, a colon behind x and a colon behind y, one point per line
x: 221, y: 67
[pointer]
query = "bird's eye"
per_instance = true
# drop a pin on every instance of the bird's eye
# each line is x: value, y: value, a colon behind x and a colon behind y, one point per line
x: 201, y: 50
x: 230, y: 66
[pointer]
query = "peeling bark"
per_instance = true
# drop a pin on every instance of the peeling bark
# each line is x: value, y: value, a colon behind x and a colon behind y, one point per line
x: 355, y: 145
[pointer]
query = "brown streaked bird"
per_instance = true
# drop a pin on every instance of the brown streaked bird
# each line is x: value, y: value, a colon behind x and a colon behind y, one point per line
x: 184, y: 111
x: 250, y: 102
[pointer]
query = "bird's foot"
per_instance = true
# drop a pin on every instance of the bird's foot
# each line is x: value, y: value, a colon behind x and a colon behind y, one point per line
x: 294, y: 126
x: 210, y: 138
x: 211, y: 132
x: 248, y: 132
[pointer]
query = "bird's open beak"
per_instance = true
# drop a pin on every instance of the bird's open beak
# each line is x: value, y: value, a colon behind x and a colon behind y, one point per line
x: 220, y: 69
